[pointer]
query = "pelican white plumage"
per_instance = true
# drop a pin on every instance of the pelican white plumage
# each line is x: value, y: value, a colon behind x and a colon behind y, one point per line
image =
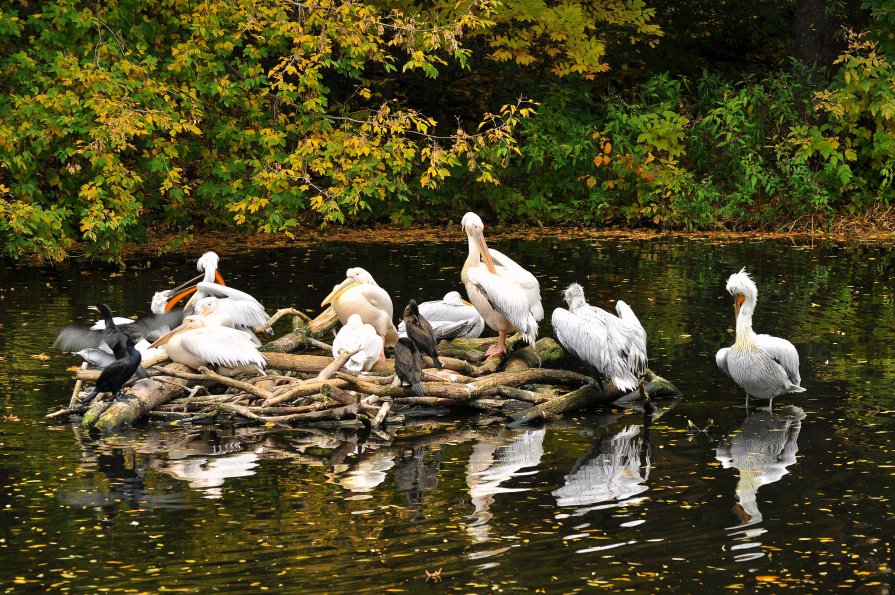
x: 245, y: 311
x: 612, y: 347
x: 360, y: 294
x: 507, y: 296
x: 204, y: 341
x: 354, y: 336
x: 450, y: 317
x: 764, y: 365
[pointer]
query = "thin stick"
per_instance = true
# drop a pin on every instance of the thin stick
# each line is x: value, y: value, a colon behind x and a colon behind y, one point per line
x: 76, y: 394
x: 327, y: 372
x: 279, y: 314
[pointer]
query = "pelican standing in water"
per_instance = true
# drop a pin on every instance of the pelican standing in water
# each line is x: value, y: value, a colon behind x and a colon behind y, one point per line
x: 507, y: 296
x: 360, y: 337
x: 612, y: 347
x: 763, y: 365
x: 204, y: 341
x: 245, y: 311
x: 450, y: 317
x: 360, y: 294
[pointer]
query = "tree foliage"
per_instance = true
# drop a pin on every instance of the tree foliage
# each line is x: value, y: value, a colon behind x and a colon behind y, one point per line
x: 123, y: 117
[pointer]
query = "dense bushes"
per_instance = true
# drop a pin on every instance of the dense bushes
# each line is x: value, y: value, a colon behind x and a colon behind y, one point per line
x: 125, y: 117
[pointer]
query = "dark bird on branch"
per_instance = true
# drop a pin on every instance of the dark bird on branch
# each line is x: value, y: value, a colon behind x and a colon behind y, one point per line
x: 118, y: 372
x: 113, y: 336
x: 408, y: 366
x: 420, y: 331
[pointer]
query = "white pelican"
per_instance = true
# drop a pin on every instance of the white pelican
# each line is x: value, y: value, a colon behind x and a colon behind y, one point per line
x: 359, y: 294
x: 245, y: 311
x: 357, y: 335
x: 763, y: 365
x: 507, y: 296
x: 612, y: 347
x: 450, y: 317
x: 204, y: 341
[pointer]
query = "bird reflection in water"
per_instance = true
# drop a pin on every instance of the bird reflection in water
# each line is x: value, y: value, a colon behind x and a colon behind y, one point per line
x: 494, y: 460
x: 414, y: 476
x: 613, y: 472
x: 761, y: 449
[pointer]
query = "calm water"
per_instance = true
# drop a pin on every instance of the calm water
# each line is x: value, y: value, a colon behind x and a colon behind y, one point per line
x: 800, y: 498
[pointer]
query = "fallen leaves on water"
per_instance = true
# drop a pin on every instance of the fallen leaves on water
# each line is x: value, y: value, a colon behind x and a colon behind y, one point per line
x: 41, y: 356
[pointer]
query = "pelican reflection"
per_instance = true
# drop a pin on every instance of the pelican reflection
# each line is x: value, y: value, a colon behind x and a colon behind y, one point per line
x: 613, y: 471
x: 761, y: 449
x: 494, y: 460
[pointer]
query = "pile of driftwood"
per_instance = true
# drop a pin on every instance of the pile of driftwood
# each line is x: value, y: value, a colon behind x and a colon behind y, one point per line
x: 303, y: 389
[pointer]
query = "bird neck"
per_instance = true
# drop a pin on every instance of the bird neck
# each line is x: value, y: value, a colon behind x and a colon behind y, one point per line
x: 475, y: 254
x: 745, y: 334
x: 209, y: 274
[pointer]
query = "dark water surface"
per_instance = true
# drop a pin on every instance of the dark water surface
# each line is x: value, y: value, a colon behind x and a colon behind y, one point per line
x: 801, y: 498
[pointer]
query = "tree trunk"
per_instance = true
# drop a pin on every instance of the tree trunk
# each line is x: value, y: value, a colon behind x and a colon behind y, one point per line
x: 818, y: 35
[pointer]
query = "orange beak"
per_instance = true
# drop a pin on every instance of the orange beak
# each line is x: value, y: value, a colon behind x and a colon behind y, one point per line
x: 172, y: 303
x: 738, y: 303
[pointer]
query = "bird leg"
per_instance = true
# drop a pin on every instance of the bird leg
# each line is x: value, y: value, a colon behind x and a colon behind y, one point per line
x: 382, y: 353
x: 648, y: 408
x: 501, y: 346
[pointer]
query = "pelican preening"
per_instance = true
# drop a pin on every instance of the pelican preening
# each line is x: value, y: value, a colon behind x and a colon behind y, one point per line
x: 450, y: 317
x: 244, y: 310
x: 612, y: 347
x: 763, y: 365
x: 360, y: 294
x: 360, y: 337
x: 205, y: 341
x: 420, y: 332
x: 507, y: 296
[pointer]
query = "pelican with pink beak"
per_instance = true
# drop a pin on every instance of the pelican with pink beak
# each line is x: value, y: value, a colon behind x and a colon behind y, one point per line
x: 507, y: 296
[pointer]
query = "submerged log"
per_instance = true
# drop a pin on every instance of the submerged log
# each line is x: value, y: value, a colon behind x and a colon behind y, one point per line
x: 589, y: 396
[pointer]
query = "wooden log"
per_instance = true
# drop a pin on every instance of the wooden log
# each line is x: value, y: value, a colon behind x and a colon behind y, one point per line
x: 314, y: 364
x: 279, y: 314
x: 303, y: 390
x: 449, y: 349
x: 324, y: 323
x: 589, y: 396
x: 337, y: 394
x: 144, y: 396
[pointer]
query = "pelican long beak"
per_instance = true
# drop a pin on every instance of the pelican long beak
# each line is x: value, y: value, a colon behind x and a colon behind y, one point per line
x: 467, y: 303
x: 483, y: 247
x: 339, y: 290
x: 170, y: 334
x: 172, y: 303
x: 738, y: 303
x: 218, y: 278
x: 181, y: 291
